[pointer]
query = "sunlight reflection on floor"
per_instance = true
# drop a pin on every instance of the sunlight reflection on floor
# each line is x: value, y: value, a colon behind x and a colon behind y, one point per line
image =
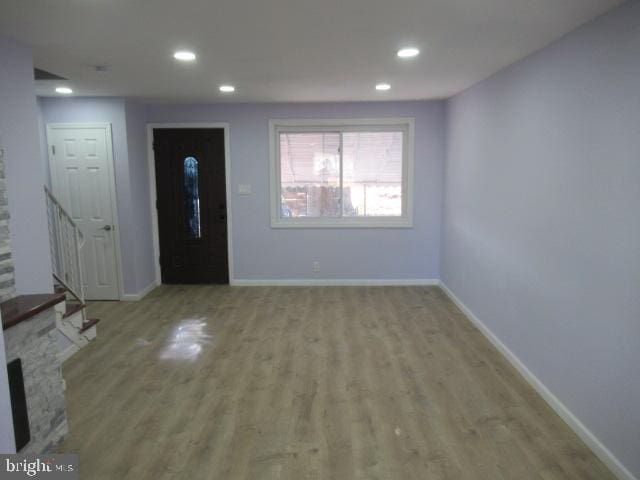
x: 187, y: 340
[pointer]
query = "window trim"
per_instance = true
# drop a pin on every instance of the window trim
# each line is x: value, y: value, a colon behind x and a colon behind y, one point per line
x: 342, y: 125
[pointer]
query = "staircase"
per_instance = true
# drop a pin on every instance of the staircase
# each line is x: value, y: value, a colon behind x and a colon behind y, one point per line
x: 74, y: 329
x: 66, y: 242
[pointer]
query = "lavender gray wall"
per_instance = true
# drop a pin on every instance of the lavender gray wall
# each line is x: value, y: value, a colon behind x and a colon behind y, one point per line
x: 25, y: 177
x: 264, y: 253
x: 44, y: 147
x: 541, y: 229
x: 140, y: 199
x: 343, y: 254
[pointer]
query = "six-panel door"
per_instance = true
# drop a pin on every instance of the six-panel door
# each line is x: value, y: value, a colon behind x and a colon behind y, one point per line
x: 82, y: 181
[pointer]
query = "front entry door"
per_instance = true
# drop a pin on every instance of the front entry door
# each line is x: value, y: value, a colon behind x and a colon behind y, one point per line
x: 192, y: 205
x: 83, y: 182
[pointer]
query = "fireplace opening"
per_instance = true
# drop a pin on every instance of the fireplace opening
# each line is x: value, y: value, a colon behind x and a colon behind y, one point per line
x: 18, y: 404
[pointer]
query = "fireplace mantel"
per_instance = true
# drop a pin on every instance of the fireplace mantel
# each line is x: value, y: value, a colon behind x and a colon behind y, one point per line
x: 24, y: 307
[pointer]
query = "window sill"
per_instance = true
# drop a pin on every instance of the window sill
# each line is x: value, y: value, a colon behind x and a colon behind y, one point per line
x: 333, y: 223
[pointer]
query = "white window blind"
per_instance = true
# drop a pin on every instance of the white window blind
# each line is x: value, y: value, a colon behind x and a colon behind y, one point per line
x: 343, y: 174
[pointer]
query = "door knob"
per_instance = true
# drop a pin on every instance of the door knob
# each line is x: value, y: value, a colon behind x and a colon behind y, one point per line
x: 107, y: 228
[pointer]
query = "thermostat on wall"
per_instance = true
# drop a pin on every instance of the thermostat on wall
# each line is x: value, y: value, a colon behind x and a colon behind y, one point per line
x: 244, y: 189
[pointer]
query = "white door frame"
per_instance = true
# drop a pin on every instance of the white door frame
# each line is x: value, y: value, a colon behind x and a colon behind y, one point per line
x: 154, y: 196
x: 112, y: 183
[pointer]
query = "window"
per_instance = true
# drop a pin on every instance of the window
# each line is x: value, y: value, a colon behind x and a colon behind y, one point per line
x: 191, y: 197
x: 341, y: 173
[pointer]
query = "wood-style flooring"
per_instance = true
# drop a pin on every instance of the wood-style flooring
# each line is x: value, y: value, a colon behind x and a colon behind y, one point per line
x: 306, y: 383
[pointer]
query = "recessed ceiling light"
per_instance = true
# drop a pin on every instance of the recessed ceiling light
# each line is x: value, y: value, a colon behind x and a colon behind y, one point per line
x: 64, y: 90
x: 227, y: 88
x: 383, y: 87
x: 184, y: 55
x: 408, y: 52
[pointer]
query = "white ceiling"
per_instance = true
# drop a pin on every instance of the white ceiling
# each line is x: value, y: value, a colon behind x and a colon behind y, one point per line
x: 285, y: 50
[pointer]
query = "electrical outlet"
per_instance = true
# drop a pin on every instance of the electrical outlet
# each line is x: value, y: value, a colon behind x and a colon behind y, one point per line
x: 316, y: 267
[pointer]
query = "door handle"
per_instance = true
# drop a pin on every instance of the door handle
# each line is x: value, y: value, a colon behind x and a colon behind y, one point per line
x: 106, y: 228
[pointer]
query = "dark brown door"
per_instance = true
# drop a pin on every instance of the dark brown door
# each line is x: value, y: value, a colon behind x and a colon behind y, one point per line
x: 192, y: 205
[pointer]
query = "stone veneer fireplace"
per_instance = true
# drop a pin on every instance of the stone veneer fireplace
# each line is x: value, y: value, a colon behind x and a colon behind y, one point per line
x: 29, y: 323
x: 7, y: 289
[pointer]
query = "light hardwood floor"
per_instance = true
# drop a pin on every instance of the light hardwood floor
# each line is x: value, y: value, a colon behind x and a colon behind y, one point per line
x: 307, y: 383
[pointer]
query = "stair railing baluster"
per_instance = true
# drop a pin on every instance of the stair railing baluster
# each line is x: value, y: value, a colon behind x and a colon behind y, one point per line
x: 65, y: 242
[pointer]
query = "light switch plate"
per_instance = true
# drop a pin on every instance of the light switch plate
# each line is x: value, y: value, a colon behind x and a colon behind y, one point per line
x: 244, y: 189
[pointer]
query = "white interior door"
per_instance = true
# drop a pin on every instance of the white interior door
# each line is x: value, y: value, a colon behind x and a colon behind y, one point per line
x: 82, y: 181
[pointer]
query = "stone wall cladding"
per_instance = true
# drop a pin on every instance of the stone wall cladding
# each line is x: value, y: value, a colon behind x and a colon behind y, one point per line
x: 34, y: 342
x: 7, y: 282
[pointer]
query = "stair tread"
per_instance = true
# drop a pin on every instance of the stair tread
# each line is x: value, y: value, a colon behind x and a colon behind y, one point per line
x: 72, y: 308
x: 90, y: 322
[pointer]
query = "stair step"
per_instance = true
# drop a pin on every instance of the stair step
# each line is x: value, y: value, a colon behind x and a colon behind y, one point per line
x: 88, y: 324
x: 72, y: 308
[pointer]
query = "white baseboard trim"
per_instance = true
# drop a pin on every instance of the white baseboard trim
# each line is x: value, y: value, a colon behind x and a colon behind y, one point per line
x: 135, y: 297
x: 320, y: 282
x: 68, y: 352
x: 602, y: 452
